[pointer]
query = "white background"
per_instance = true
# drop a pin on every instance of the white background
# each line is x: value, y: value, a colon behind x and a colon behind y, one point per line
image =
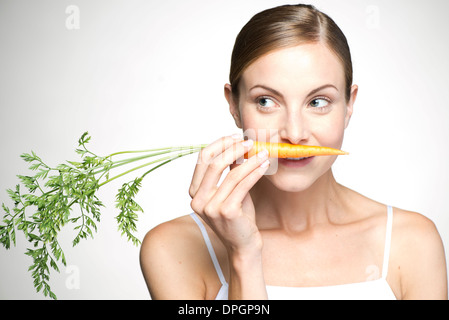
x: 141, y: 74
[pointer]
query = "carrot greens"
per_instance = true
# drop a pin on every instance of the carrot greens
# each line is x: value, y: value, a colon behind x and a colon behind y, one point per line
x: 45, y: 202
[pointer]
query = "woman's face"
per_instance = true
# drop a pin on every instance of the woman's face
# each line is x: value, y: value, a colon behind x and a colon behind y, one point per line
x: 295, y: 95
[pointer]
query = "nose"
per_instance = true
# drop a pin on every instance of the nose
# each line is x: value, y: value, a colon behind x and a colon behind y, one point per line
x: 294, y: 129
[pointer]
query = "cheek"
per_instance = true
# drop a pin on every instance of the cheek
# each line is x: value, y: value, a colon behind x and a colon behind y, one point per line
x: 259, y: 127
x: 329, y: 132
x: 331, y: 136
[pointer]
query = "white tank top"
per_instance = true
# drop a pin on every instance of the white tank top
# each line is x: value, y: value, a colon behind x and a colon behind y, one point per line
x: 378, y: 289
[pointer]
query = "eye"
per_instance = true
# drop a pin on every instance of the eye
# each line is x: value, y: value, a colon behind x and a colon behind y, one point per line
x: 266, y: 102
x: 319, y: 103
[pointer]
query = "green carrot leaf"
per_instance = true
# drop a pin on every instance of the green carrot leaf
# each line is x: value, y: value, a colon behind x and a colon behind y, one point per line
x: 52, y: 197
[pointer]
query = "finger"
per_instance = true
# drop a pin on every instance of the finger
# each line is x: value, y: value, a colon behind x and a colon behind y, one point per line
x: 216, y: 168
x: 242, y: 189
x: 237, y: 162
x: 242, y: 178
x: 206, y: 156
x: 217, y: 147
x: 208, y: 185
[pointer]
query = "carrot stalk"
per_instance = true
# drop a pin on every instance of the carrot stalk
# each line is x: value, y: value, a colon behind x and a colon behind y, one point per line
x: 286, y: 150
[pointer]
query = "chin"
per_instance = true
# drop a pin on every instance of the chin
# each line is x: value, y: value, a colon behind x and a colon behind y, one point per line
x: 290, y: 183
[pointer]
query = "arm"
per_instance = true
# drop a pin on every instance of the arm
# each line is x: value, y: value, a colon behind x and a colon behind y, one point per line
x: 228, y: 209
x: 423, y: 272
x: 170, y: 270
x: 246, y: 277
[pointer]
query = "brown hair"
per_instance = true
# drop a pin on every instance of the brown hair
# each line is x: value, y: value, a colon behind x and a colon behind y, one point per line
x: 287, y: 26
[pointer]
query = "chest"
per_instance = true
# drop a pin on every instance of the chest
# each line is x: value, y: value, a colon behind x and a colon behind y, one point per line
x: 321, y: 259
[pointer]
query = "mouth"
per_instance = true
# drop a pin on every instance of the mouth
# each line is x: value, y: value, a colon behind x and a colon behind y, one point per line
x: 295, y: 162
x: 296, y: 159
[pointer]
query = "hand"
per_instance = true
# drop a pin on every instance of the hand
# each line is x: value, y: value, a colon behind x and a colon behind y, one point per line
x: 227, y: 208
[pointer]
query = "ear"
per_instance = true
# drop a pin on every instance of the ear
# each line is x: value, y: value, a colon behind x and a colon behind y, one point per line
x: 350, y: 105
x: 233, y: 105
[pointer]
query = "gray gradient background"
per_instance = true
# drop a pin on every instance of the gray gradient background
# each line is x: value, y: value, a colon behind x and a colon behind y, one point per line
x: 140, y: 74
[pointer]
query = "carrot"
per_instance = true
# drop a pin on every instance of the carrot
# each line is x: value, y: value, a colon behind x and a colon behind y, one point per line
x: 286, y: 150
x: 55, y: 191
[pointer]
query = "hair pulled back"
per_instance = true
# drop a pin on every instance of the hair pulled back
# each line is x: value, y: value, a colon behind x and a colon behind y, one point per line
x: 287, y: 26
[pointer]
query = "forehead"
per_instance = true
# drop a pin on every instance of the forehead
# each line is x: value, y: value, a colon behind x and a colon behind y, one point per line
x: 304, y: 66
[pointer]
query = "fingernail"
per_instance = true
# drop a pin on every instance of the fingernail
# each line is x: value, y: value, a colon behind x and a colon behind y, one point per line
x: 236, y: 136
x: 263, y: 154
x: 247, y: 143
x: 265, y: 164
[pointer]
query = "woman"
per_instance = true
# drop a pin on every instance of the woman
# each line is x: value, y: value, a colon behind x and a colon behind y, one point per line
x: 294, y: 233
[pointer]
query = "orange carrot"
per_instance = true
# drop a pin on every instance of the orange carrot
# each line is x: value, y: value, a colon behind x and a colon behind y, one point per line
x: 286, y: 150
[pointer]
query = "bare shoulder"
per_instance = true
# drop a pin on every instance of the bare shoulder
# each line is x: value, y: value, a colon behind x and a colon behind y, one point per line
x: 168, y: 235
x: 417, y: 265
x: 171, y: 260
x: 414, y: 229
x: 418, y: 256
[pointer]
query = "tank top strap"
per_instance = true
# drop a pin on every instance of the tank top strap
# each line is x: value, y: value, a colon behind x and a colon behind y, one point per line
x: 388, y: 232
x: 210, y: 248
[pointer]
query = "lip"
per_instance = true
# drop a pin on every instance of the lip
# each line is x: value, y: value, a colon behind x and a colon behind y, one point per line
x: 295, y: 163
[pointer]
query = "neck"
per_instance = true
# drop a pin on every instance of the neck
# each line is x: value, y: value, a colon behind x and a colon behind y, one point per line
x: 294, y: 211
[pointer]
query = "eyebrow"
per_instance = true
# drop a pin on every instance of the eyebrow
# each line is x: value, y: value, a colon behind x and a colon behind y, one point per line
x: 311, y: 93
x: 275, y: 92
